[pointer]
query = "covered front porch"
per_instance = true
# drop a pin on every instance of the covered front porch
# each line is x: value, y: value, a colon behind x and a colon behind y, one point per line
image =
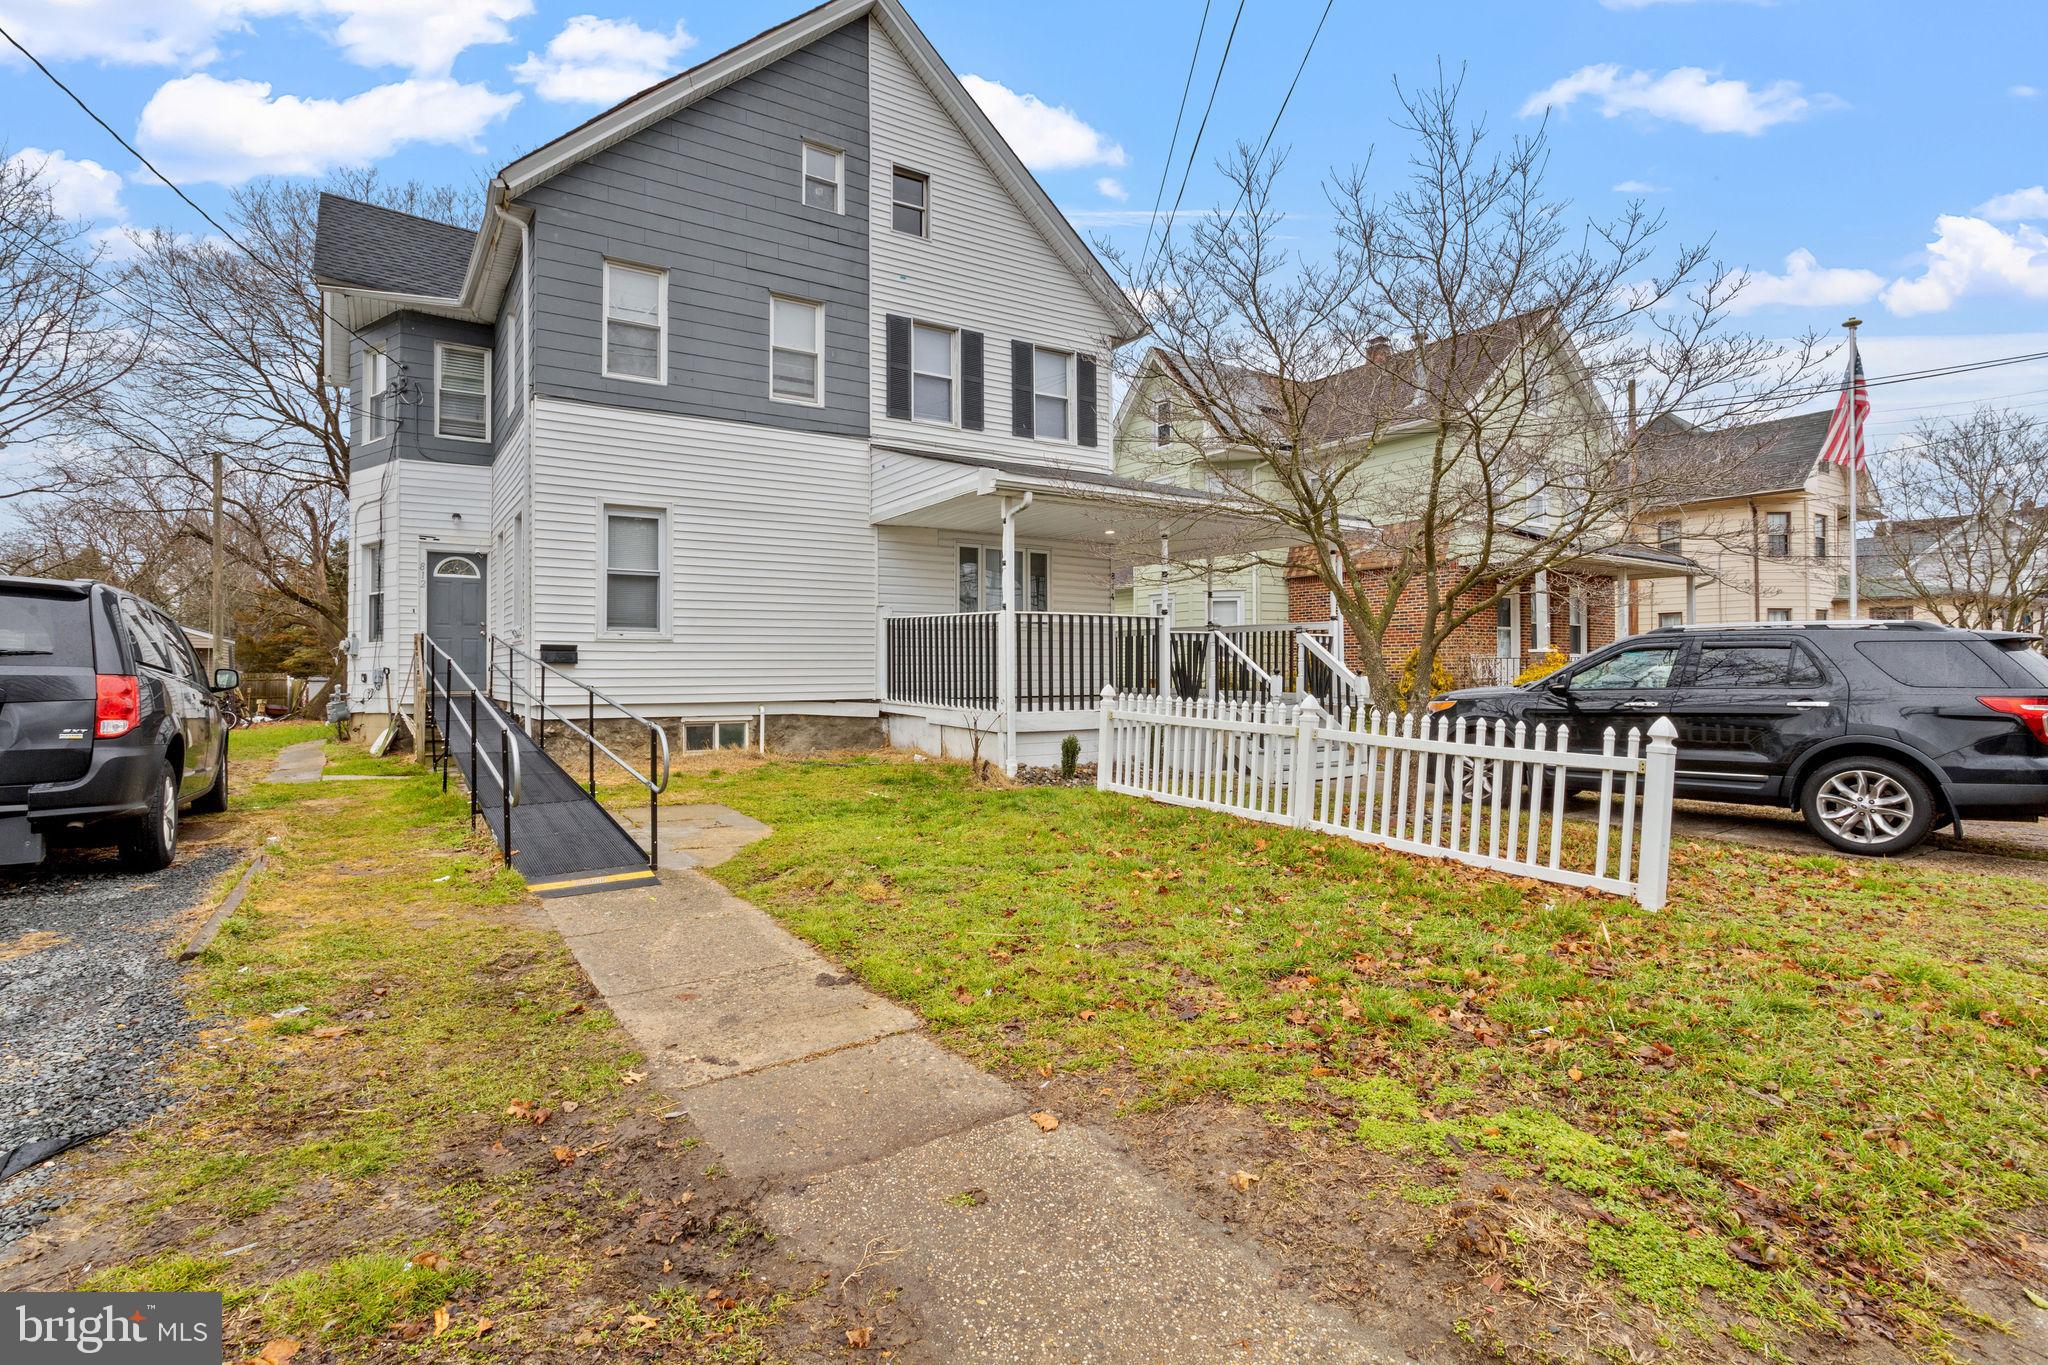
x: 997, y: 636
x: 1586, y: 603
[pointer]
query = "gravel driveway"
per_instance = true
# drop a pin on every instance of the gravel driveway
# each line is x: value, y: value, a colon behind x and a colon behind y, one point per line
x: 89, y: 1004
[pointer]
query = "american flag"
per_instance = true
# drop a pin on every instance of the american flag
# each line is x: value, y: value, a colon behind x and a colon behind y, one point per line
x: 1844, y: 445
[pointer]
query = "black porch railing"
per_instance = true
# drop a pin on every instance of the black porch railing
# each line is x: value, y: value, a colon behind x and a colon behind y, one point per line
x: 1066, y: 658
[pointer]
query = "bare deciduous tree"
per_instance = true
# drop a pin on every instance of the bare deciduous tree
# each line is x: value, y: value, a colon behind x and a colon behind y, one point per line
x: 63, y: 342
x: 1965, y: 535
x: 1431, y: 407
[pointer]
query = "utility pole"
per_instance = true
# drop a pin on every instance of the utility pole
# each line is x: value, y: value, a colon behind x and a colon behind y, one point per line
x: 214, y: 624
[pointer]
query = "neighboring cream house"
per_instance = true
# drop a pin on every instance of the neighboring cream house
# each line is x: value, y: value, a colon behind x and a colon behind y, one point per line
x: 1770, y: 531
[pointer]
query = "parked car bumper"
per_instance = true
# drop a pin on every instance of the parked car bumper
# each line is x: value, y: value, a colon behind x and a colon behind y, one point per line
x: 2023, y: 798
x: 117, y: 783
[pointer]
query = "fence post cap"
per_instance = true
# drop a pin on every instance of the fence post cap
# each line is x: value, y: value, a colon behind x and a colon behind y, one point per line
x: 1309, y: 707
x: 1661, y: 729
x: 1109, y: 691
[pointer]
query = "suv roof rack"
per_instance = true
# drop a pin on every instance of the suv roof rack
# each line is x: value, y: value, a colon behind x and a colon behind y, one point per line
x: 1861, y: 623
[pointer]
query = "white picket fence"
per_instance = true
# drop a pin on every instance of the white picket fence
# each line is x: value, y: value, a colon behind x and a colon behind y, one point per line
x: 1491, y: 796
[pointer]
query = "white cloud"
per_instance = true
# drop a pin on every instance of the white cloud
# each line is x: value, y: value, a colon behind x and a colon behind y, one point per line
x: 188, y: 33
x: 2006, y: 208
x: 1806, y: 283
x: 422, y: 39
x: 204, y: 128
x: 601, y: 61
x: 1109, y: 187
x: 1640, y: 187
x: 2023, y: 92
x: 1972, y: 256
x: 1687, y: 94
x: 78, y: 189
x: 1046, y: 137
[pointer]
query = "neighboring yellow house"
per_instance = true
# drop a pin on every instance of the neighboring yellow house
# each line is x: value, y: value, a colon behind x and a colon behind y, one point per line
x: 1770, y: 531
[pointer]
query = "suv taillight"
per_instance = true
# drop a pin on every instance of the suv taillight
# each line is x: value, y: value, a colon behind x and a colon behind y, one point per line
x: 119, y: 705
x: 2031, y: 712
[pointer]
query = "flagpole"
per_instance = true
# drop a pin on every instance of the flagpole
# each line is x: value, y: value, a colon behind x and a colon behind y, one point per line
x: 1855, y: 473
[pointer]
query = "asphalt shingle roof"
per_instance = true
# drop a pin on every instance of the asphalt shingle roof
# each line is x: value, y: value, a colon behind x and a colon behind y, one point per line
x: 378, y: 248
x: 1759, y: 458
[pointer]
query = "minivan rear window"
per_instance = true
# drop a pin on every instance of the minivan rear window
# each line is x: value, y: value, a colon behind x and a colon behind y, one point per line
x: 1931, y: 663
x: 44, y: 630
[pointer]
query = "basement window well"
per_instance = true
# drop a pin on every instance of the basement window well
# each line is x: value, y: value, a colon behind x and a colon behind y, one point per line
x: 704, y: 736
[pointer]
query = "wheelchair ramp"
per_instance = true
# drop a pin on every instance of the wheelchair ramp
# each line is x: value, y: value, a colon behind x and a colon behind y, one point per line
x: 563, y: 842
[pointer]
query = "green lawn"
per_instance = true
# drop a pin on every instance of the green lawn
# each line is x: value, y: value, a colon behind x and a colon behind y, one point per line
x: 1802, y: 1089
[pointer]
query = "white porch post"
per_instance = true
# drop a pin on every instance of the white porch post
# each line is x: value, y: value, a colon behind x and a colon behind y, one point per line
x: 1006, y: 635
x: 1621, y: 608
x: 1336, y: 616
x: 1539, y: 604
x: 1692, y: 600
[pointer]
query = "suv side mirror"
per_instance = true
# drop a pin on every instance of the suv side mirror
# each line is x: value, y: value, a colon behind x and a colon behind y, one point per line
x: 226, y: 679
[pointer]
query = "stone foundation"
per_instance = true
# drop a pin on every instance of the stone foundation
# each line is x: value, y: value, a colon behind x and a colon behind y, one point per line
x: 786, y: 735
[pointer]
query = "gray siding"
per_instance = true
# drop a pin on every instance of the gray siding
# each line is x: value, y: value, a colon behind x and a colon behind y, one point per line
x: 508, y: 377
x: 410, y: 339
x: 714, y: 196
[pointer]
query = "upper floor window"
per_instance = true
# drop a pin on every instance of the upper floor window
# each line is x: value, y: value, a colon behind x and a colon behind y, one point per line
x: 1820, y: 535
x: 373, y: 591
x: 373, y: 404
x: 462, y: 392
x: 1777, y: 534
x: 1670, y: 536
x: 1051, y: 393
x: 796, y: 344
x: 910, y: 195
x: 1162, y: 422
x: 635, y: 322
x: 824, y: 178
x: 931, y: 374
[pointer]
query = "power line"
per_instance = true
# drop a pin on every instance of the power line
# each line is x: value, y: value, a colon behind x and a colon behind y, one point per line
x: 1196, y: 146
x: 1281, y: 112
x: 1166, y: 166
x: 173, y: 185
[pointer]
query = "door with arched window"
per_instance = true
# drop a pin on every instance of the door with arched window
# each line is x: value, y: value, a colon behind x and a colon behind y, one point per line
x: 455, y: 610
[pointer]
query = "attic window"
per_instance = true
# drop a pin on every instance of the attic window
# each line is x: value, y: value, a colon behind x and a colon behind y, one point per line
x: 1162, y: 422
x: 910, y: 202
x: 824, y: 178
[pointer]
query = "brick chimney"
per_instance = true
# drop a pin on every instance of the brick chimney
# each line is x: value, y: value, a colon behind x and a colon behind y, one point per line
x: 1378, y: 349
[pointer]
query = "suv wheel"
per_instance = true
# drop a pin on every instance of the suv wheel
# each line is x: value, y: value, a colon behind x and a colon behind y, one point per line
x: 1868, y: 805
x: 151, y: 842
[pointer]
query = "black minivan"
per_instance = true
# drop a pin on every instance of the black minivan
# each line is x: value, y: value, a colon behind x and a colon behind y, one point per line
x: 1876, y: 731
x: 107, y: 726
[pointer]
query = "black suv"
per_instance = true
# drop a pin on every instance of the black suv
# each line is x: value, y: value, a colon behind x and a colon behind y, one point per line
x: 1876, y: 731
x: 106, y: 726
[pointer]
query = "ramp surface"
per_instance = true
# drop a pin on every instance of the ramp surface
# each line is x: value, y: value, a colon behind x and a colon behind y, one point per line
x: 563, y: 842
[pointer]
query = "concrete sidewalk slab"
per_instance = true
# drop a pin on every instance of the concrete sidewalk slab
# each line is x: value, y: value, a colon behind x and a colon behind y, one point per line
x: 299, y: 762
x: 1028, y: 1246
x: 733, y: 1024
x: 624, y: 962
x: 678, y: 898
x: 853, y: 1105
x: 695, y: 835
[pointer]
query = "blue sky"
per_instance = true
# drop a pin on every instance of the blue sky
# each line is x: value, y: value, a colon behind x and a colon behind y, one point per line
x: 1885, y: 159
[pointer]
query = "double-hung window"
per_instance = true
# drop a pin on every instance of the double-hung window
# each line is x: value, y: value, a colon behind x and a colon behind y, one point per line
x: 1778, y: 534
x: 373, y: 404
x: 1051, y: 390
x: 1162, y: 422
x: 462, y: 393
x: 796, y: 344
x: 1670, y: 536
x: 931, y: 374
x: 373, y: 591
x: 981, y: 579
x: 1575, y: 624
x: 1820, y: 535
x: 910, y: 195
x: 824, y: 178
x: 635, y: 323
x: 634, y: 556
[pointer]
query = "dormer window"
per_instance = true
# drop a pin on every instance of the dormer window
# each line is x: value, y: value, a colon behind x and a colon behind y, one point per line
x: 824, y: 178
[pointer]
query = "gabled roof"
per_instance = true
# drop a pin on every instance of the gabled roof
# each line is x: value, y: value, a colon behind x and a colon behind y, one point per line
x: 373, y: 247
x: 1763, y: 457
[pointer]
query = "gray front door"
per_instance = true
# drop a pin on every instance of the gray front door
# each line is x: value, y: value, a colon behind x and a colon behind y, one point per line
x: 455, y: 611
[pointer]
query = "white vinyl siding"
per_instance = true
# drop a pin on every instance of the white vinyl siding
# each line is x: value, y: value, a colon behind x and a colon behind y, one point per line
x: 409, y: 507
x: 635, y: 569
x: 920, y: 572
x: 796, y: 341
x: 462, y: 392
x: 635, y: 323
x: 824, y: 178
x: 982, y: 266
x: 931, y: 374
x: 770, y: 556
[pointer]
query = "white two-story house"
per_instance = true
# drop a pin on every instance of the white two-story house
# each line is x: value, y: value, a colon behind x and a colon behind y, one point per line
x: 772, y: 402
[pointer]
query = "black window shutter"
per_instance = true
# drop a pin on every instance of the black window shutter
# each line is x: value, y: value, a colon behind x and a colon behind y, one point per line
x: 896, y: 367
x: 1084, y: 401
x: 1020, y: 388
x: 970, y: 380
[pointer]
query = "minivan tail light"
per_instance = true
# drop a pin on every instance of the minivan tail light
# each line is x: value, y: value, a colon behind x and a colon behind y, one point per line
x: 118, y: 706
x: 2031, y: 712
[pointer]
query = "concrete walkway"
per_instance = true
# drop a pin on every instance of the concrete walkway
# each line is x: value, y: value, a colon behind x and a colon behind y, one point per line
x: 885, y: 1152
x: 301, y: 762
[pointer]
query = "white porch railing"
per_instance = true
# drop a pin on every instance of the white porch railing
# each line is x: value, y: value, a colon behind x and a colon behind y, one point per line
x: 1492, y: 798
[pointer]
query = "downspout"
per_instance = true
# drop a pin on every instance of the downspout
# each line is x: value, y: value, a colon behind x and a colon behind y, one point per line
x: 525, y: 622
